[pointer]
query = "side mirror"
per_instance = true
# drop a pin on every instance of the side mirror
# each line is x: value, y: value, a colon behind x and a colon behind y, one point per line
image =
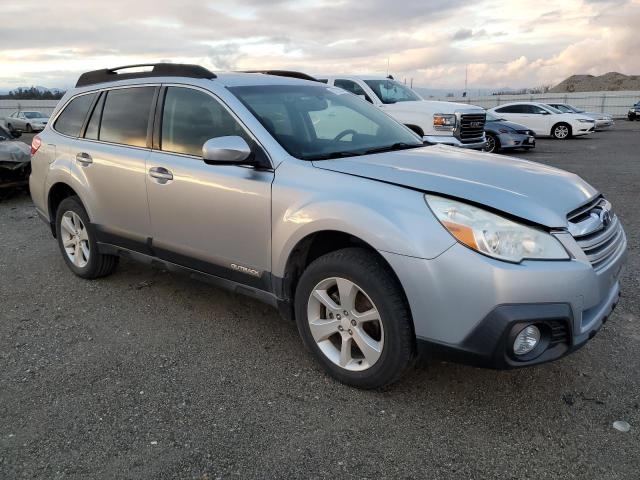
x: 546, y: 113
x: 232, y: 150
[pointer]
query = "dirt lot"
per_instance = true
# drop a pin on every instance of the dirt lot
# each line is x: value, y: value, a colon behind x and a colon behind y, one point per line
x: 147, y: 374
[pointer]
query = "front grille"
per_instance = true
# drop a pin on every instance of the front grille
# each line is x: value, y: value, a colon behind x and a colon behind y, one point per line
x: 597, y: 231
x: 559, y: 332
x: 471, y: 127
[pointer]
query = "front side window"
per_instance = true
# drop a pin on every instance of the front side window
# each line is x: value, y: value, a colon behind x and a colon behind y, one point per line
x: 390, y: 91
x: 191, y: 117
x: 71, y: 119
x: 325, y: 122
x: 512, y: 109
x: 352, y: 87
x: 125, y: 116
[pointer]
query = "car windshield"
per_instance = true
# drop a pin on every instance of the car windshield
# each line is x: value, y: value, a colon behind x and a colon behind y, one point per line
x: 33, y: 115
x: 493, y: 118
x: 390, y: 91
x: 319, y: 122
x: 555, y: 110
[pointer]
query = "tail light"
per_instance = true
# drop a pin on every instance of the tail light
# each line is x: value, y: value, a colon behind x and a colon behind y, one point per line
x: 35, y: 144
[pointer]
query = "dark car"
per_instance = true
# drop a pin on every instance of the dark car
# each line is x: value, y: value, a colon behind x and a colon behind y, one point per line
x: 634, y: 112
x: 505, y: 135
x: 15, y: 162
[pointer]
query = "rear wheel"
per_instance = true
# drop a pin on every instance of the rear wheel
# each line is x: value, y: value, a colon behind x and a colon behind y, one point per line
x: 493, y: 144
x: 77, y: 241
x: 352, y: 314
x: 561, y: 131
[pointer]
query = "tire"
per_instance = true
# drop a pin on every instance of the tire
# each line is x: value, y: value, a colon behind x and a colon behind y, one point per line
x: 390, y: 334
x: 83, y: 258
x: 561, y: 131
x: 493, y: 144
x: 29, y: 128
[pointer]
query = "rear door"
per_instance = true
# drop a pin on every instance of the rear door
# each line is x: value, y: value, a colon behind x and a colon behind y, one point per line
x: 212, y: 218
x: 110, y: 158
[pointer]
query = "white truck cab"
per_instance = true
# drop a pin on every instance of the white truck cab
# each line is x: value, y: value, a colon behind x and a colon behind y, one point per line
x: 449, y: 123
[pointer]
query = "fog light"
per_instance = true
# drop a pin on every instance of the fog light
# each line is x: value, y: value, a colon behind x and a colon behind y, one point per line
x: 526, y: 340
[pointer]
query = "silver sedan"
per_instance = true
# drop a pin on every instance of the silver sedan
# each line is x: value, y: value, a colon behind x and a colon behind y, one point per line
x: 27, y: 121
x: 603, y: 120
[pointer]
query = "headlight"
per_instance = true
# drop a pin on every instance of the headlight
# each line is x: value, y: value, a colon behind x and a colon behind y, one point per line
x: 584, y: 120
x: 444, y: 121
x: 493, y: 235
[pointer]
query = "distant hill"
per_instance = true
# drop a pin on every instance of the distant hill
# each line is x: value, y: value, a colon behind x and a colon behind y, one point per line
x: 612, y: 81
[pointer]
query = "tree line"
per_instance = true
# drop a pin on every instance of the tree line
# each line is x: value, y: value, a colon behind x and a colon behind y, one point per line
x: 31, y: 93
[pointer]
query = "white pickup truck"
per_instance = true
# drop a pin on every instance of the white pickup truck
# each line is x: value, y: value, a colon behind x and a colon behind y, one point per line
x: 450, y: 123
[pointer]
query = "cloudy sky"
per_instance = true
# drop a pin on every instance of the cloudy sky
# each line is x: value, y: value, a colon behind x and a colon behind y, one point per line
x: 504, y: 43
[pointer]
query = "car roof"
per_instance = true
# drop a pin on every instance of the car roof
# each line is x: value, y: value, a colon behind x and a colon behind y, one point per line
x: 519, y: 103
x: 355, y: 77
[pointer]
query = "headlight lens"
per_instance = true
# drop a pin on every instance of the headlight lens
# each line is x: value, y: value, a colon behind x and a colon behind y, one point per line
x: 584, y: 120
x: 493, y: 235
x: 444, y: 121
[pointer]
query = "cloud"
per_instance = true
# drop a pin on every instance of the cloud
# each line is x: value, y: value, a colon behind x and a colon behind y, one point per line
x: 502, y: 43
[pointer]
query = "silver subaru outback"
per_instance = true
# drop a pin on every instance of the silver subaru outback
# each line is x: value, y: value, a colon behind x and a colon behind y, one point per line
x: 314, y: 201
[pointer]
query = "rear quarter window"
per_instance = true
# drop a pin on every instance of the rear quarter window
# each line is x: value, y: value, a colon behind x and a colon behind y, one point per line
x: 72, y: 118
x: 125, y: 116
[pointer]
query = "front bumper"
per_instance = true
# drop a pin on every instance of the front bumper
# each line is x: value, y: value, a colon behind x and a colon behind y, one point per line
x: 453, y: 141
x: 603, y: 124
x: 509, y: 141
x: 467, y: 307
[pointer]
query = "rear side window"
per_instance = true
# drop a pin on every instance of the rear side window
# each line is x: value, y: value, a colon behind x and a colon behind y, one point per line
x: 190, y: 118
x: 125, y: 116
x: 70, y: 121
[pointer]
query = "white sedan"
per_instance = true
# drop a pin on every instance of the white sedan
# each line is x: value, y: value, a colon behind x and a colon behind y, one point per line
x: 545, y: 120
x: 27, y: 121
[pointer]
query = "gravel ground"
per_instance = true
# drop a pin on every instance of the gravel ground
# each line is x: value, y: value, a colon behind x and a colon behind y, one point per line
x: 148, y: 374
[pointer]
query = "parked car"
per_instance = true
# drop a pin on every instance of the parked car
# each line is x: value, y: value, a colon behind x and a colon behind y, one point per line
x: 603, y: 121
x: 545, y: 120
x: 27, y: 121
x: 376, y: 244
x: 448, y: 123
x: 634, y: 112
x: 504, y: 135
x: 15, y: 161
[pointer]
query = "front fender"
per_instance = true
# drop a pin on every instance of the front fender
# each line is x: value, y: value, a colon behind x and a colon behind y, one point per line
x: 388, y: 217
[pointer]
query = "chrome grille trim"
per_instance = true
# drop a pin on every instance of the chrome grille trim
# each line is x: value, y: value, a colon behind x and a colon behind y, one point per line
x: 599, y: 241
x: 470, y: 127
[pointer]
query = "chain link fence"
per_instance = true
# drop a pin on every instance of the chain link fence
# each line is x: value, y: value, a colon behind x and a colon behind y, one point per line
x: 616, y: 104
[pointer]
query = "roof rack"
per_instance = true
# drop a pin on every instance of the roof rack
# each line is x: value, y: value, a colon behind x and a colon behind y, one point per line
x: 284, y: 73
x: 158, y: 70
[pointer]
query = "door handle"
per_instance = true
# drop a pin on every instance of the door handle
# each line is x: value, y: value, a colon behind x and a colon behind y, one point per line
x: 84, y: 159
x: 161, y: 174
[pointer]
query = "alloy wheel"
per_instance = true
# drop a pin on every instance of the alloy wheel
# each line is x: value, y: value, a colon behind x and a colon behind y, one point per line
x: 490, y: 146
x: 561, y: 131
x: 345, y: 324
x: 75, y: 239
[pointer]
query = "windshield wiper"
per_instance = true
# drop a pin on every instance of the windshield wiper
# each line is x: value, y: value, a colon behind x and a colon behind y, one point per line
x: 395, y: 146
x: 330, y: 155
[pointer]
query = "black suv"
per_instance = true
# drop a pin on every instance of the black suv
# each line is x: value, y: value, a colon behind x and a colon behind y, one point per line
x: 634, y: 112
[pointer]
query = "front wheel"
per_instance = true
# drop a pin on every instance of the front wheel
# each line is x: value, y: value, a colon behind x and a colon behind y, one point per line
x: 353, y: 316
x: 29, y: 128
x: 561, y: 131
x: 77, y: 241
x: 493, y: 144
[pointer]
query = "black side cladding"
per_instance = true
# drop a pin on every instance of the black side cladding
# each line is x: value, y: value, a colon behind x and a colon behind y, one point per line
x: 158, y: 70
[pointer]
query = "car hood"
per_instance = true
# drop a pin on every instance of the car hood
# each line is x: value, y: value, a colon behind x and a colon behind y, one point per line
x: 14, y: 152
x: 528, y: 190
x: 505, y: 123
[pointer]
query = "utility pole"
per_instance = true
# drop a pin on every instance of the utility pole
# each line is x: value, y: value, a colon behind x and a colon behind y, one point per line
x: 466, y: 76
x: 387, y: 66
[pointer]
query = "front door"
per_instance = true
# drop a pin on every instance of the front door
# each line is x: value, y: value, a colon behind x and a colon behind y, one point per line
x: 212, y: 218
